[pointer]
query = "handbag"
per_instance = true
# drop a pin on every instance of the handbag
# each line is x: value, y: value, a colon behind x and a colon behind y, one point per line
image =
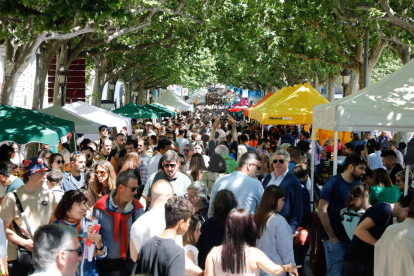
x: 24, y: 257
x: 301, y: 241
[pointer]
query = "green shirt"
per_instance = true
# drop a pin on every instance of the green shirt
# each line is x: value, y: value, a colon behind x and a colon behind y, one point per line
x: 384, y: 194
x: 231, y: 164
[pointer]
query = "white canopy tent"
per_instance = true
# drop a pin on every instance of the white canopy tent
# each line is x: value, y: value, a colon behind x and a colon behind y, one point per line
x: 170, y: 98
x: 387, y: 105
x: 100, y: 116
x: 199, y: 96
x: 82, y: 125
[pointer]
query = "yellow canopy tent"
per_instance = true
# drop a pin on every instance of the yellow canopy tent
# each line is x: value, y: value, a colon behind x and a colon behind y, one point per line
x: 291, y: 108
x: 253, y: 110
x: 279, y: 95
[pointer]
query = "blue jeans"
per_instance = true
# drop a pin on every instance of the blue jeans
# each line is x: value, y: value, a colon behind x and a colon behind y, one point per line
x: 334, y: 253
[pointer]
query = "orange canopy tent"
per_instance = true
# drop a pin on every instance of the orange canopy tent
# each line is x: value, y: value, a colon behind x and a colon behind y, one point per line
x: 246, y: 111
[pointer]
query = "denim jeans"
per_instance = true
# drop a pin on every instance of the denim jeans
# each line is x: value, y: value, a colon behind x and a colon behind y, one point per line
x: 334, y: 253
x: 356, y: 269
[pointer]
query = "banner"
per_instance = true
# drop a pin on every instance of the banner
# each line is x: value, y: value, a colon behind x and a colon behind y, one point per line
x: 184, y: 91
x: 245, y: 93
x: 252, y: 95
x: 178, y: 91
x: 154, y: 94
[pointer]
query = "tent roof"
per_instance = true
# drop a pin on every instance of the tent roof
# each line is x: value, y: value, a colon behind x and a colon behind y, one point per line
x: 171, y: 99
x: 82, y: 125
x: 272, y: 98
x: 135, y: 111
x: 292, y: 108
x: 242, y: 102
x: 161, y: 110
x: 99, y: 115
x: 387, y: 105
x: 246, y: 111
x: 24, y: 126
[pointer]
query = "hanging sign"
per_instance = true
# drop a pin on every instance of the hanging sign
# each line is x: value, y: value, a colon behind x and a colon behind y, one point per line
x: 184, y: 91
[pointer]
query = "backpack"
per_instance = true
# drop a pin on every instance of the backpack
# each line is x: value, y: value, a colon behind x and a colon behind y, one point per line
x: 350, y: 219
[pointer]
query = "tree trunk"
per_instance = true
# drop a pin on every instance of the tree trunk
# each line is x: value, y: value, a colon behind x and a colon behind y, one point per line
x: 127, y: 93
x: 353, y: 83
x: 316, y: 84
x: 330, y: 89
x: 37, y: 97
x: 142, y: 96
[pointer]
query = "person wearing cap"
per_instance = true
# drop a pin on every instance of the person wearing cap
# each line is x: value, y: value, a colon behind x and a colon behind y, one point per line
x: 38, y: 205
x: 148, y: 129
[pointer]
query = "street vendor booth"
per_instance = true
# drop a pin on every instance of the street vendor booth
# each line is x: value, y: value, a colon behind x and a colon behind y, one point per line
x: 246, y: 111
x: 135, y: 111
x: 24, y: 126
x: 171, y: 99
x: 387, y: 105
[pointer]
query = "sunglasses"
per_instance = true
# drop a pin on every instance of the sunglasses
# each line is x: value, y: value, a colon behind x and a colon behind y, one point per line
x: 59, y: 162
x: 88, y: 155
x: 258, y: 167
x: 281, y: 161
x: 101, y: 173
x: 182, y: 163
x: 104, y: 129
x: 79, y: 250
x: 186, y: 150
x: 132, y: 189
x: 170, y: 165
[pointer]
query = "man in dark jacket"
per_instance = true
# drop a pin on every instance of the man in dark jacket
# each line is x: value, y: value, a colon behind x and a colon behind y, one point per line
x: 292, y: 211
x: 287, y: 138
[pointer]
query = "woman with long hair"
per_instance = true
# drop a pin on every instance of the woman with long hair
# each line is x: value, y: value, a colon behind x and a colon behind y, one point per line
x: 274, y: 233
x: 265, y: 165
x: 56, y: 162
x: 356, y: 141
x: 132, y: 163
x: 237, y: 255
x: 46, y: 155
x: 6, y: 154
x: 71, y: 211
x: 252, y: 140
x: 213, y: 228
x: 384, y: 190
x: 103, y: 183
x: 190, y: 239
x: 356, y: 204
x: 197, y: 166
x: 199, y: 148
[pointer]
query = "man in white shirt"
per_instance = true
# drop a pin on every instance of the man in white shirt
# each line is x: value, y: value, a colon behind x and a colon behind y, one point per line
x: 375, y: 159
x: 392, y: 145
x: 153, y: 222
x: 163, y: 146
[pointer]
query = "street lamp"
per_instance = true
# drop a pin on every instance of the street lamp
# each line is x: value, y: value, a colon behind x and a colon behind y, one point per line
x: 345, y: 77
x: 62, y: 73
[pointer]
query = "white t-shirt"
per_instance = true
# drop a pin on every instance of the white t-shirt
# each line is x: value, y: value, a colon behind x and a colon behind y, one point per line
x: 189, y: 247
x: 148, y: 225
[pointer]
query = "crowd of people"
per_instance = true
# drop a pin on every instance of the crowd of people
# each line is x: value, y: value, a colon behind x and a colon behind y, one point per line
x: 202, y: 194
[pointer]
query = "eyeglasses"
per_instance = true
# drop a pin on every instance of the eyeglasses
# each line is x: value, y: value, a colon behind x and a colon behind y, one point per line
x: 182, y: 163
x: 79, y: 250
x: 59, y: 162
x: 104, y: 129
x: 398, y: 180
x: 170, y: 165
x: 88, y: 155
x: 101, y: 173
x: 186, y: 150
x: 281, y: 161
x: 133, y: 189
x: 190, y: 197
x: 258, y: 167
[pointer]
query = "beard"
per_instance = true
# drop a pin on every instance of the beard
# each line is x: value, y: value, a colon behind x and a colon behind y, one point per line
x: 356, y: 177
x: 89, y: 163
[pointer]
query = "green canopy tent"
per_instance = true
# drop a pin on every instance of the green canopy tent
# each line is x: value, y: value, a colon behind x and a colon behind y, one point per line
x: 135, y: 111
x: 24, y: 126
x: 161, y: 111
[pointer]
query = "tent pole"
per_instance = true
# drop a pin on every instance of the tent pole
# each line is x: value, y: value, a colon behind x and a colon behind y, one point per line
x: 262, y: 130
x: 312, y: 166
x: 407, y: 174
x: 335, y: 164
